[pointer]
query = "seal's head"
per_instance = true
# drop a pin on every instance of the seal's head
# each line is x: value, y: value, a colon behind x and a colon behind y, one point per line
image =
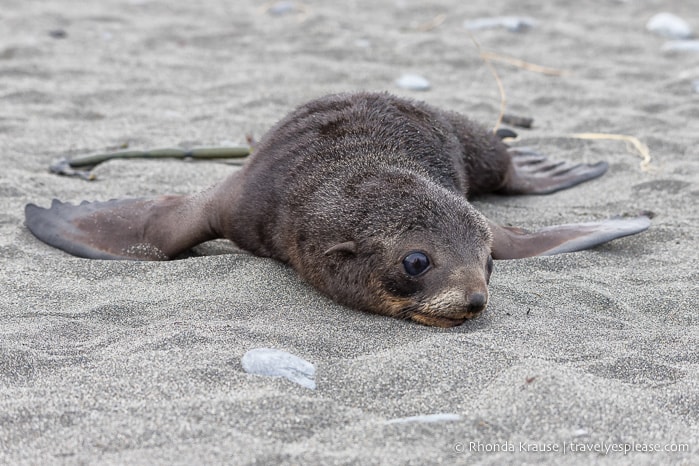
x: 434, y: 279
x: 407, y: 248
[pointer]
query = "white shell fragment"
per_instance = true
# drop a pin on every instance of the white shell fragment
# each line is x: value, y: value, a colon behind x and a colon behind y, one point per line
x: 413, y: 82
x: 278, y: 363
x: 281, y: 8
x: 668, y: 25
x: 426, y: 418
x: 511, y: 23
x: 681, y: 46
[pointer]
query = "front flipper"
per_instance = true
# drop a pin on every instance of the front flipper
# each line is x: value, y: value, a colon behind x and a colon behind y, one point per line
x: 156, y: 228
x: 533, y: 173
x: 516, y: 243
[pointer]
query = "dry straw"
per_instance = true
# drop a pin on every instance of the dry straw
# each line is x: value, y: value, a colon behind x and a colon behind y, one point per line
x: 630, y: 141
x: 489, y: 57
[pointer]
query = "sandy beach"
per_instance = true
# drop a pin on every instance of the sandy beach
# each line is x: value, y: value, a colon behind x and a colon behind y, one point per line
x: 582, y: 358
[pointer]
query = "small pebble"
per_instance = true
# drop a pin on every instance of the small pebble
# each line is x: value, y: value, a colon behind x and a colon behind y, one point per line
x: 427, y: 418
x: 511, y: 23
x: 282, y: 8
x: 668, y: 25
x: 413, y: 82
x: 278, y: 363
x: 681, y: 46
x: 58, y: 33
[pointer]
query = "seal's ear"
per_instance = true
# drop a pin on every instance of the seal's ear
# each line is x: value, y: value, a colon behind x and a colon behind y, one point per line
x: 516, y: 243
x: 348, y: 247
x: 157, y: 228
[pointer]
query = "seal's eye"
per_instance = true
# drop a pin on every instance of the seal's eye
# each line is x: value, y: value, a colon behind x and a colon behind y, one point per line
x: 416, y: 263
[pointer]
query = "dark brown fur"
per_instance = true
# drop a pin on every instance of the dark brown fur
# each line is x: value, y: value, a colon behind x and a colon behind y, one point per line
x: 344, y: 189
x: 389, y: 175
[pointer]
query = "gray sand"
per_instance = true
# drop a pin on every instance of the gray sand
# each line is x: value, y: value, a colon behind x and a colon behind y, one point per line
x: 120, y: 362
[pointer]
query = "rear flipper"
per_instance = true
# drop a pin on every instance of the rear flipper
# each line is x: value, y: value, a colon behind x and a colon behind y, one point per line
x: 156, y: 228
x: 516, y: 243
x: 533, y: 173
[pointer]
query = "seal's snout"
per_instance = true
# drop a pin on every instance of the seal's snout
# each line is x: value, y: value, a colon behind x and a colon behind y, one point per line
x: 451, y: 307
x: 476, y: 302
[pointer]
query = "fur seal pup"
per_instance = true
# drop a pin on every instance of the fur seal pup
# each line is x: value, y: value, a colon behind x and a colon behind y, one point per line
x: 365, y: 196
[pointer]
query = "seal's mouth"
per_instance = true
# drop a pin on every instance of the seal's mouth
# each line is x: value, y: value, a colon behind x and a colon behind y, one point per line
x: 441, y: 321
x: 434, y: 314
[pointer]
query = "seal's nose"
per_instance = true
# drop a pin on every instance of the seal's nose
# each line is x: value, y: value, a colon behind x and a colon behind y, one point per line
x: 476, y: 302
